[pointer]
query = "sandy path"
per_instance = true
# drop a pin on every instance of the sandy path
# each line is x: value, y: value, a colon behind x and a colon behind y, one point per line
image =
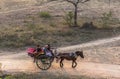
x: 91, y: 44
x: 84, y: 68
x: 20, y: 62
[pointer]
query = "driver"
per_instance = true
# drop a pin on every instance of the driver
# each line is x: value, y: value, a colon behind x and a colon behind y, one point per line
x: 47, y: 50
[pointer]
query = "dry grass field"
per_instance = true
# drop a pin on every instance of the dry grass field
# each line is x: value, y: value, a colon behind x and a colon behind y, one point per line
x: 26, y: 26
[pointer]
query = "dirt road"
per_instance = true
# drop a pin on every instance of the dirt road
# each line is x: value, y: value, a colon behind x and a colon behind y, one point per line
x: 20, y: 62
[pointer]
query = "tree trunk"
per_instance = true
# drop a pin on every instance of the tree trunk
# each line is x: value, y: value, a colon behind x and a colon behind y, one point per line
x: 75, y: 16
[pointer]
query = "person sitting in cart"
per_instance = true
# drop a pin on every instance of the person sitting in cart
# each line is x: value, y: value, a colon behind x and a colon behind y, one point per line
x: 39, y: 50
x: 47, y: 50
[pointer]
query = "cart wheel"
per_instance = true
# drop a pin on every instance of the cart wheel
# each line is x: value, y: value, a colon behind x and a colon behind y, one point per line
x: 43, y: 64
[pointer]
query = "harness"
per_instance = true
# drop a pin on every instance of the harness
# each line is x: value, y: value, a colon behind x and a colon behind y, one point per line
x: 73, y: 55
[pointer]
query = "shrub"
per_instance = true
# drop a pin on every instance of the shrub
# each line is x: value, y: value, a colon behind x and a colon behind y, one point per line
x: 44, y: 15
x: 9, y: 77
x: 106, y: 19
x: 69, y: 18
x: 52, y: 24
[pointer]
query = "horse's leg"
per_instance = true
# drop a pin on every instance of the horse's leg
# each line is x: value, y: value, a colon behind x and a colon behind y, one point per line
x: 61, y: 62
x: 74, y: 63
x: 57, y: 59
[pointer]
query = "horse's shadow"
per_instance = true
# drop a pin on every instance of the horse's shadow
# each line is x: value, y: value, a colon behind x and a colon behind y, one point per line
x: 64, y: 72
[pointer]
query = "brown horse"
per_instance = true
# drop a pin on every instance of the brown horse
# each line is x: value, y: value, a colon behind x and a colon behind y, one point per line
x: 69, y: 56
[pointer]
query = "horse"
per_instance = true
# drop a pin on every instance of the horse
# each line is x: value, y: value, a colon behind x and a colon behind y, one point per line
x: 69, y: 56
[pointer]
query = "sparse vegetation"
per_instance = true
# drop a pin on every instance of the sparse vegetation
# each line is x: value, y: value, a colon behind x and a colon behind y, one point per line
x: 45, y: 15
x: 30, y: 28
x: 69, y: 18
x: 20, y: 36
x: 106, y: 19
x: 47, y: 76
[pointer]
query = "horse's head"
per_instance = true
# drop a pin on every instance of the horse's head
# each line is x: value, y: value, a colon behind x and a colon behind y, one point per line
x: 80, y: 53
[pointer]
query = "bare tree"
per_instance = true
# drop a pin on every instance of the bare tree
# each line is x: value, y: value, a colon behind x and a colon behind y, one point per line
x: 75, y: 3
x: 109, y: 2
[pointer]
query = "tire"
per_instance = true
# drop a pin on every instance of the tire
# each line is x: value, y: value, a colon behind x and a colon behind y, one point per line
x: 43, y: 63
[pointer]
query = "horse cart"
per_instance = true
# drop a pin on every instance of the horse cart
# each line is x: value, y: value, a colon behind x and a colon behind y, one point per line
x: 42, y: 61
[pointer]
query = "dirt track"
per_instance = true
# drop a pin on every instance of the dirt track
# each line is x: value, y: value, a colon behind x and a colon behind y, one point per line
x: 20, y: 62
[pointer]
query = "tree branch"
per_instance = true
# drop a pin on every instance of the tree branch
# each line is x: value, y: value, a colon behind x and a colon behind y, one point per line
x: 78, y: 1
x: 71, y: 2
x: 84, y: 1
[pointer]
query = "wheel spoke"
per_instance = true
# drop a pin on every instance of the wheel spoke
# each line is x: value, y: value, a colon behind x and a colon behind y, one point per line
x: 43, y: 64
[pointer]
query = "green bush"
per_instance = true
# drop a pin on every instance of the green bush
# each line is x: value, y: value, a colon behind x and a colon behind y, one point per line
x: 106, y: 19
x: 44, y: 15
x: 52, y: 24
x: 9, y: 77
x: 69, y: 18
